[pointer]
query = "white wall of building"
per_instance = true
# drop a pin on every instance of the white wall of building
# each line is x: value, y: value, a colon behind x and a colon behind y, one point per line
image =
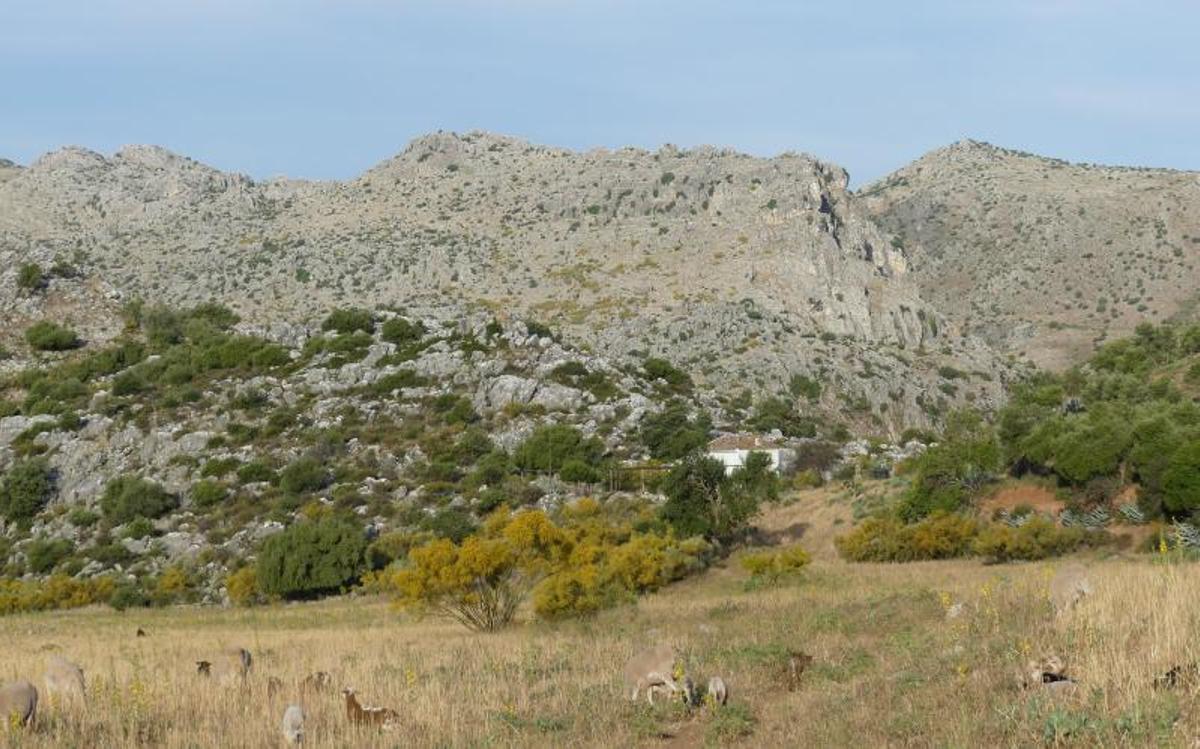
x: 735, y: 459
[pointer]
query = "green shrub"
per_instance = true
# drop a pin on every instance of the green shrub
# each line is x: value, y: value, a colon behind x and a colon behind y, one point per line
x: 552, y: 446
x: 207, y: 493
x: 30, y: 277
x: 44, y: 554
x: 219, y: 467
x: 801, y: 386
x: 128, y: 595
x: 349, y: 320
x: 771, y: 566
x: 25, y: 489
x: 888, y: 539
x: 129, y: 497
x: 401, y: 332
x: 49, y: 336
x: 304, y: 475
x: 660, y: 369
x: 398, y: 380
x: 311, y: 559
x: 139, y: 528
x: 778, y: 413
x: 578, y: 472
x: 450, y: 523
x: 255, y: 471
x: 1037, y: 538
x: 81, y: 517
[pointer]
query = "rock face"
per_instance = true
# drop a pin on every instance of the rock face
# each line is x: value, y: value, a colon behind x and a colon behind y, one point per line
x: 740, y: 270
x: 1040, y: 257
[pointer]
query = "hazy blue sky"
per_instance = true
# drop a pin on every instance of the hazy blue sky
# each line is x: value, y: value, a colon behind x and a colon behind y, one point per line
x: 326, y: 88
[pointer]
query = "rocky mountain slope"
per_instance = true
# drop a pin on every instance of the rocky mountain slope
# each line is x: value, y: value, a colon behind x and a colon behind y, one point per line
x: 1041, y: 257
x: 743, y: 271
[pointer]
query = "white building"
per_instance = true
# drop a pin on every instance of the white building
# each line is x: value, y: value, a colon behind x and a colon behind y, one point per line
x: 733, y: 449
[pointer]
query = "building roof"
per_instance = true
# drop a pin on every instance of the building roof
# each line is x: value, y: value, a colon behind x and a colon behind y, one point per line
x: 743, y: 442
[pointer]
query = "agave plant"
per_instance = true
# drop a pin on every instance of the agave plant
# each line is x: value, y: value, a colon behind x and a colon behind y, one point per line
x: 1186, y: 535
x: 1132, y: 514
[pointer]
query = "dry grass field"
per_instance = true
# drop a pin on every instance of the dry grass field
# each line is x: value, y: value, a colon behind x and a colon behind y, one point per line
x: 890, y: 667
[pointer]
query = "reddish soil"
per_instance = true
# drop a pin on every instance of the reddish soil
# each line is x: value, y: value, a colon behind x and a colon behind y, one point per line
x: 1010, y: 497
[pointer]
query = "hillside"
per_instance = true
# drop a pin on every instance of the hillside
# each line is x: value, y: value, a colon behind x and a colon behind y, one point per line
x: 743, y: 271
x: 1043, y: 258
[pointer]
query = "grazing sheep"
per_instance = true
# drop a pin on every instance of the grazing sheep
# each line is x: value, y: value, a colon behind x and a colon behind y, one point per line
x: 1068, y: 587
x: 652, y: 669
x: 18, y: 703
x: 64, y: 680
x: 718, y: 693
x: 382, y: 717
x: 231, y: 667
x: 293, y: 724
x: 318, y: 682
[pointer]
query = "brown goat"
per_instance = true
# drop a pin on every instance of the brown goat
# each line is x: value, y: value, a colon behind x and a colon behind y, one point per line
x: 382, y: 717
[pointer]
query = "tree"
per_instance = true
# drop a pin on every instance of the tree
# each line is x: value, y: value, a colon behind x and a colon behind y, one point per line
x: 25, y: 489
x: 672, y: 433
x: 702, y: 501
x: 949, y: 474
x: 480, y: 582
x: 1181, y: 480
x: 310, y: 559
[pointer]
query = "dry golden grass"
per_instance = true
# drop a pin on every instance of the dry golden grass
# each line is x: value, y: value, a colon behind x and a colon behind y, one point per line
x: 890, y: 668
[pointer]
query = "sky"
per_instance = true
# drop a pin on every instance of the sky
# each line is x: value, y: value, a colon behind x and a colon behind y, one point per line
x: 327, y: 88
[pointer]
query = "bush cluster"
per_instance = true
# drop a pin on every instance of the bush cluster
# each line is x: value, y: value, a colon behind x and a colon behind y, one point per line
x: 948, y: 535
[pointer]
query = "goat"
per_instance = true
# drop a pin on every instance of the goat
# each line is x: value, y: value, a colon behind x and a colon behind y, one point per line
x: 230, y: 668
x: 652, y: 669
x: 64, y: 679
x: 18, y: 703
x: 293, y: 724
x: 1068, y: 587
x: 718, y: 693
x: 316, y: 683
x: 383, y: 717
x: 797, y: 662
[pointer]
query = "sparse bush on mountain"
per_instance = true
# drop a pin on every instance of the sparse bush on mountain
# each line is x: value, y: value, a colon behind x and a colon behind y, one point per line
x: 49, y: 336
x: 551, y: 447
x: 401, y: 332
x: 349, y: 320
x: 129, y: 497
x: 676, y: 379
x: 24, y: 489
x: 30, y: 278
x: 304, y: 475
